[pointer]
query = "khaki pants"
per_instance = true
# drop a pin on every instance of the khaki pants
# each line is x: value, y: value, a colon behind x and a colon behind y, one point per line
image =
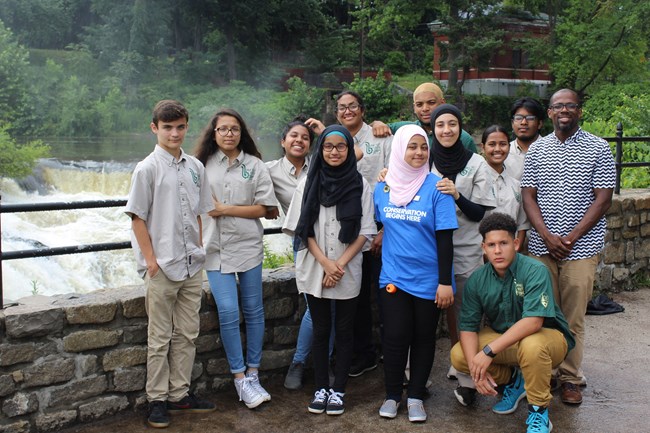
x: 573, y: 286
x: 173, y: 310
x: 536, y: 355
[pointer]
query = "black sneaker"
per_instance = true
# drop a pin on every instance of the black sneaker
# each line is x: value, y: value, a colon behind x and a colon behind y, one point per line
x: 190, y: 404
x: 319, y: 403
x: 335, y: 404
x: 158, y: 417
x: 465, y: 396
x: 362, y: 366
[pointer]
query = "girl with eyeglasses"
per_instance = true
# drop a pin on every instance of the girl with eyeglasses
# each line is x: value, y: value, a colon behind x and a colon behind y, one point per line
x: 232, y: 234
x: 331, y: 219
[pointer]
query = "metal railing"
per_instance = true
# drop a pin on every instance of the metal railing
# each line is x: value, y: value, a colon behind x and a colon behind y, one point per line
x: 73, y: 249
x: 618, y: 153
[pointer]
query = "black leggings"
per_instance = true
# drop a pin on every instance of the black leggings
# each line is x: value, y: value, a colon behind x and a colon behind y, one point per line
x: 409, y: 323
x: 321, y: 317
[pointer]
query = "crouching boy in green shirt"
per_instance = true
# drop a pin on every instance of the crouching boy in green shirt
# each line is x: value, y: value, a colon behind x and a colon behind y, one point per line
x: 527, y: 334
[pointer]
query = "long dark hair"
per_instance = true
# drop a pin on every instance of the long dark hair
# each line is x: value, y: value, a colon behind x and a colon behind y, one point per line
x: 206, y: 145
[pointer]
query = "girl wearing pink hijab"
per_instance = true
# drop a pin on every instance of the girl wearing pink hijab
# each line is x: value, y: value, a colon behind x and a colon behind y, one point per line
x: 417, y: 251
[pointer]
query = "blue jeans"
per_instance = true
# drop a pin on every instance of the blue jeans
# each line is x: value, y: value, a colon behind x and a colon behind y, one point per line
x: 224, y: 290
x: 306, y: 334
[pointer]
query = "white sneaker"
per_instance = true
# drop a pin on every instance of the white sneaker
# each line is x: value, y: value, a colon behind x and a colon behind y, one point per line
x: 255, y: 383
x: 389, y: 409
x: 247, y: 393
x: 416, y: 410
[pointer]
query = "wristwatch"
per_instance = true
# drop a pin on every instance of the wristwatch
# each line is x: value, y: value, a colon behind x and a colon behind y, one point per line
x: 488, y: 351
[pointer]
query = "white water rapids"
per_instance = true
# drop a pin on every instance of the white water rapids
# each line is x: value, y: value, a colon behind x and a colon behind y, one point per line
x: 56, y: 181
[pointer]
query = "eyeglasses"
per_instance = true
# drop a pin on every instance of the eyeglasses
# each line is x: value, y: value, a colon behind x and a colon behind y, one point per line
x: 351, y: 107
x: 519, y: 118
x: 223, y: 131
x: 341, y: 147
x: 559, y: 107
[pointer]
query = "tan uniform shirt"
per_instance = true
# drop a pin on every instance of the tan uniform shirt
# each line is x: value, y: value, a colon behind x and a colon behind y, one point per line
x: 473, y: 182
x: 235, y: 244
x: 376, y: 153
x: 285, y: 181
x: 507, y: 193
x: 169, y: 195
x: 309, y: 273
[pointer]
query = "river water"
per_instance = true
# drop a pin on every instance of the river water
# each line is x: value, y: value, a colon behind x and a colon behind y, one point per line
x: 80, y: 170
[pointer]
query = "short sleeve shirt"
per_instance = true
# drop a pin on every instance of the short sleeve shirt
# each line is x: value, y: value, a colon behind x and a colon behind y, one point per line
x: 525, y: 291
x: 409, y: 251
x: 285, y: 181
x: 565, y: 175
x: 235, y: 244
x: 507, y: 195
x: 376, y: 153
x: 169, y: 195
x: 309, y: 273
x: 473, y: 182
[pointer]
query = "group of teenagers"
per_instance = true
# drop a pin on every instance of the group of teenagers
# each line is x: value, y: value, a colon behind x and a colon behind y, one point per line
x: 409, y: 209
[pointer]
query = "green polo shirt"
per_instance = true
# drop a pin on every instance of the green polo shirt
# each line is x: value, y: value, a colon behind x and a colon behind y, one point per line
x: 526, y: 291
x: 465, y: 138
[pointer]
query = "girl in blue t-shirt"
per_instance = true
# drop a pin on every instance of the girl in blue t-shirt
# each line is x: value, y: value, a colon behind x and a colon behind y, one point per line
x: 416, y: 277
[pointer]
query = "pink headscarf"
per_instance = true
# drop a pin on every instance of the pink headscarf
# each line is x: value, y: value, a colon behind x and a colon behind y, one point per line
x: 404, y: 181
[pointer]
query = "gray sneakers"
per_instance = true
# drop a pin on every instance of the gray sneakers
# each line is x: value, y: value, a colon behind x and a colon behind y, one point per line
x: 255, y: 383
x: 293, y: 380
x: 247, y: 393
x: 389, y: 409
x: 416, y: 410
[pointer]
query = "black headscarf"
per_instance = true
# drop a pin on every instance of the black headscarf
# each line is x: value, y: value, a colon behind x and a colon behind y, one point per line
x: 449, y: 161
x: 340, y: 186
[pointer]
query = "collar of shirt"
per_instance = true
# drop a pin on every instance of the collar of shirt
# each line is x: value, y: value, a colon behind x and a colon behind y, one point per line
x: 572, y: 139
x: 511, y: 271
x: 221, y: 157
x: 167, y: 157
x: 362, y: 133
x: 292, y: 168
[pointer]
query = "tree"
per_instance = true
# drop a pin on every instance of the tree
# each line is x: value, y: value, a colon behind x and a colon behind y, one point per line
x: 14, y: 91
x: 601, y: 41
x: 18, y: 161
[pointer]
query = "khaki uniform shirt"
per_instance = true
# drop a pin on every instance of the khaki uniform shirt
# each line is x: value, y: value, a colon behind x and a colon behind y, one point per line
x: 473, y: 182
x: 235, y: 244
x: 507, y: 194
x: 309, y: 273
x: 376, y: 153
x: 285, y: 181
x: 169, y: 195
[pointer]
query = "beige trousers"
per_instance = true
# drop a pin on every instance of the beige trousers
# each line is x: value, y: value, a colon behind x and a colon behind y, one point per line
x: 173, y: 310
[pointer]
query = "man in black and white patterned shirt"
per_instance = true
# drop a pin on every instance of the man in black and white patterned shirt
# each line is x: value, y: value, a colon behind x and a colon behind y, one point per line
x: 567, y: 187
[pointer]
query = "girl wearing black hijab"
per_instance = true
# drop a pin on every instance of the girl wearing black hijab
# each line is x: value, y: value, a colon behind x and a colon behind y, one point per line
x: 331, y: 219
x: 465, y: 177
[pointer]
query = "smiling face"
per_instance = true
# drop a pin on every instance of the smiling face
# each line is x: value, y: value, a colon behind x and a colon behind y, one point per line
x: 496, y: 149
x: 447, y: 129
x: 423, y: 105
x: 296, y: 143
x: 170, y: 135
x: 350, y: 118
x: 228, y: 143
x: 565, y: 120
x: 417, y: 151
x: 334, y: 156
x: 500, y: 248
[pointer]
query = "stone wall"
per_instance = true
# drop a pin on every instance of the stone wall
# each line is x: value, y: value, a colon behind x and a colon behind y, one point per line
x: 76, y: 358
x: 625, y: 259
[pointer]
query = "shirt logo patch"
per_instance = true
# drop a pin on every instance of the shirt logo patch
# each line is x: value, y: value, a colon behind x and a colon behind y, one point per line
x: 195, y: 177
x: 468, y: 171
x: 245, y: 173
x: 544, y: 300
x: 372, y: 148
x: 519, y: 289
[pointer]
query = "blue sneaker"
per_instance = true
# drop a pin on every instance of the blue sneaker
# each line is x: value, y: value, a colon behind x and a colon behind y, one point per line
x: 538, y: 421
x: 512, y: 395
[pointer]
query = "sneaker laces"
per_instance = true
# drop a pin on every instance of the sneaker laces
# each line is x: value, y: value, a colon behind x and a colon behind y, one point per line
x: 246, y: 387
x: 336, y: 398
x: 320, y: 396
x: 536, y: 420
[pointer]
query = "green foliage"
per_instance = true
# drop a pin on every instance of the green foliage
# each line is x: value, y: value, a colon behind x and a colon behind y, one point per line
x: 14, y: 90
x: 17, y: 161
x: 381, y: 98
x: 396, y: 62
x: 275, y: 260
x: 482, y: 111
